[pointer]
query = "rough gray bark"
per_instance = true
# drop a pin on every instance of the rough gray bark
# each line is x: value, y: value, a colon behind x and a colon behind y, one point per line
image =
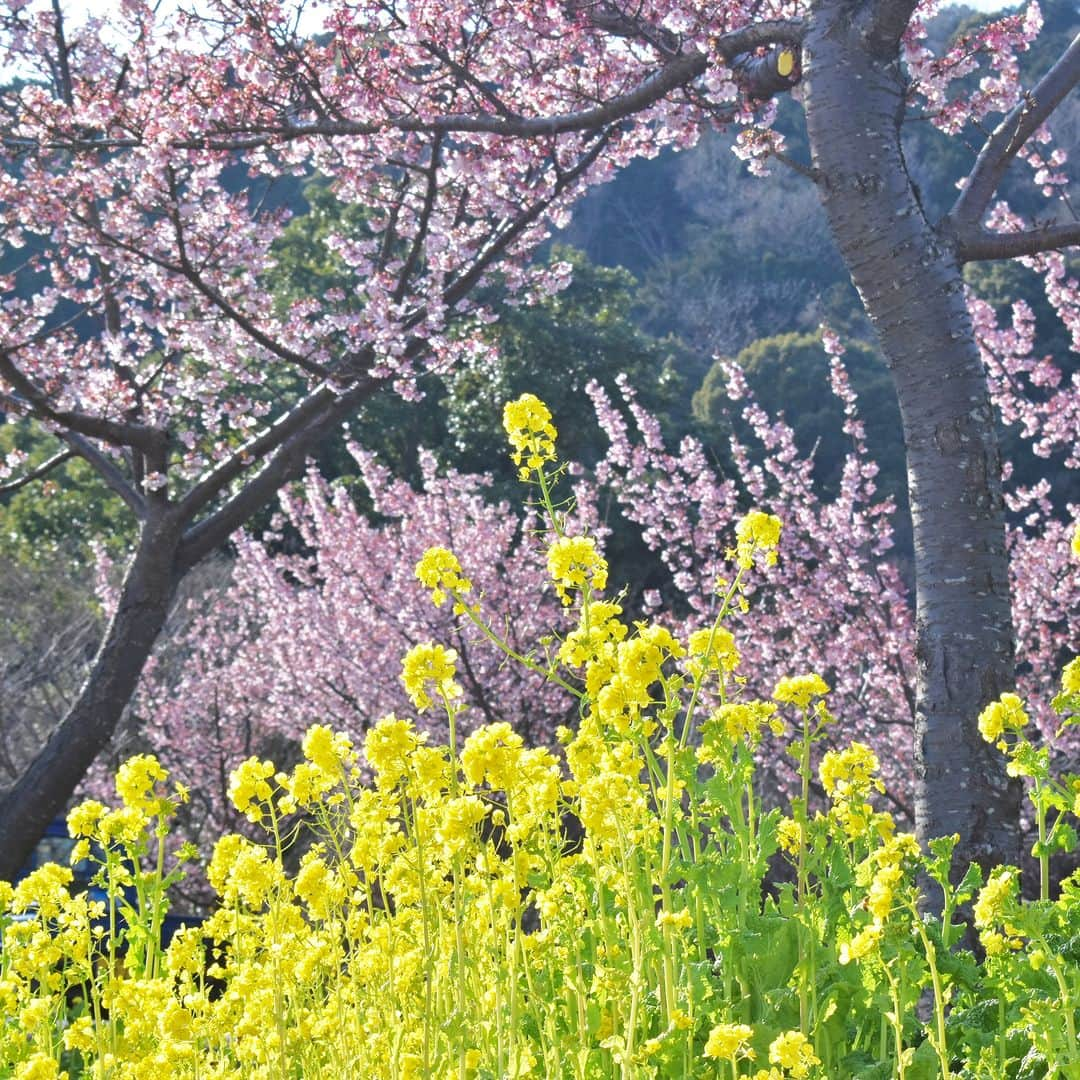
x: 909, y: 279
x: 42, y: 790
x: 170, y: 544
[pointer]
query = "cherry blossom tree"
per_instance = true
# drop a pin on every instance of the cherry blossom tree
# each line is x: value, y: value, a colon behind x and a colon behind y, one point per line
x: 140, y: 332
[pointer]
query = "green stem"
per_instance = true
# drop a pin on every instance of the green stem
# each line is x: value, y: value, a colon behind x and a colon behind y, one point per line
x: 548, y: 673
x: 695, y: 692
x: 803, y: 820
x: 1044, y: 854
x: 939, y: 998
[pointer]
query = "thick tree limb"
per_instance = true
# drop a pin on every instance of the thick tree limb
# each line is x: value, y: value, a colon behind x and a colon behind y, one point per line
x: 46, y: 467
x: 107, y: 471
x: 678, y: 72
x: 138, y: 436
x: 296, y: 419
x: 776, y: 72
x: 980, y: 245
x: 1009, y: 136
x: 885, y: 22
x: 286, y: 463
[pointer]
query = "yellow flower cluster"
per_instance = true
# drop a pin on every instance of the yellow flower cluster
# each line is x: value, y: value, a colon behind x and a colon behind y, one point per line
x: 728, y: 1042
x: 1005, y: 714
x: 249, y: 786
x: 135, y: 780
x: 756, y: 533
x: 1076, y: 541
x: 798, y: 690
x: 574, y: 564
x: 595, y: 637
x: 711, y: 649
x: 426, y: 667
x: 733, y: 722
x: 139, y: 783
x: 887, y: 869
x: 995, y: 904
x: 849, y: 776
x: 793, y: 1052
x: 621, y: 680
x: 440, y: 571
x: 528, y: 424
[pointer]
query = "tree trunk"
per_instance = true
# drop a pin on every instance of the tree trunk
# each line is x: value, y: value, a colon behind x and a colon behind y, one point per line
x: 43, y: 791
x: 911, y: 286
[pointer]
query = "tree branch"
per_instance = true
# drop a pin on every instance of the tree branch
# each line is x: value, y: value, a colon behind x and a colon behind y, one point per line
x: 1009, y: 136
x: 298, y: 417
x: 417, y: 247
x: 107, y: 471
x: 286, y: 463
x: 884, y: 24
x: 458, y: 288
x: 43, y: 469
x: 188, y: 271
x: 139, y: 436
x: 680, y: 71
x: 980, y: 245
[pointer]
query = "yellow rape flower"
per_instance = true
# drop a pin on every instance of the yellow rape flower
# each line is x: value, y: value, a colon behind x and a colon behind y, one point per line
x: 744, y: 720
x: 318, y: 886
x: 850, y: 773
x: 492, y: 753
x: 1005, y: 714
x: 711, y: 649
x: 240, y: 870
x: 799, y: 689
x: 440, y: 571
x: 135, y: 781
x: 83, y: 819
x: 728, y: 1041
x: 457, y: 821
x: 864, y: 943
x: 757, y: 532
x: 331, y: 752
x: 793, y: 1051
x: 306, y: 784
x: 123, y: 826
x: 677, y: 920
x: 1076, y: 541
x: 879, y: 901
x: 248, y: 786
x: 789, y: 835
x: 528, y: 424
x: 79, y: 1034
x: 388, y: 746
x: 599, y: 628
x: 994, y: 897
x: 44, y: 888
x: 897, y: 849
x: 40, y: 1067
x: 573, y: 562
x: 425, y: 666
